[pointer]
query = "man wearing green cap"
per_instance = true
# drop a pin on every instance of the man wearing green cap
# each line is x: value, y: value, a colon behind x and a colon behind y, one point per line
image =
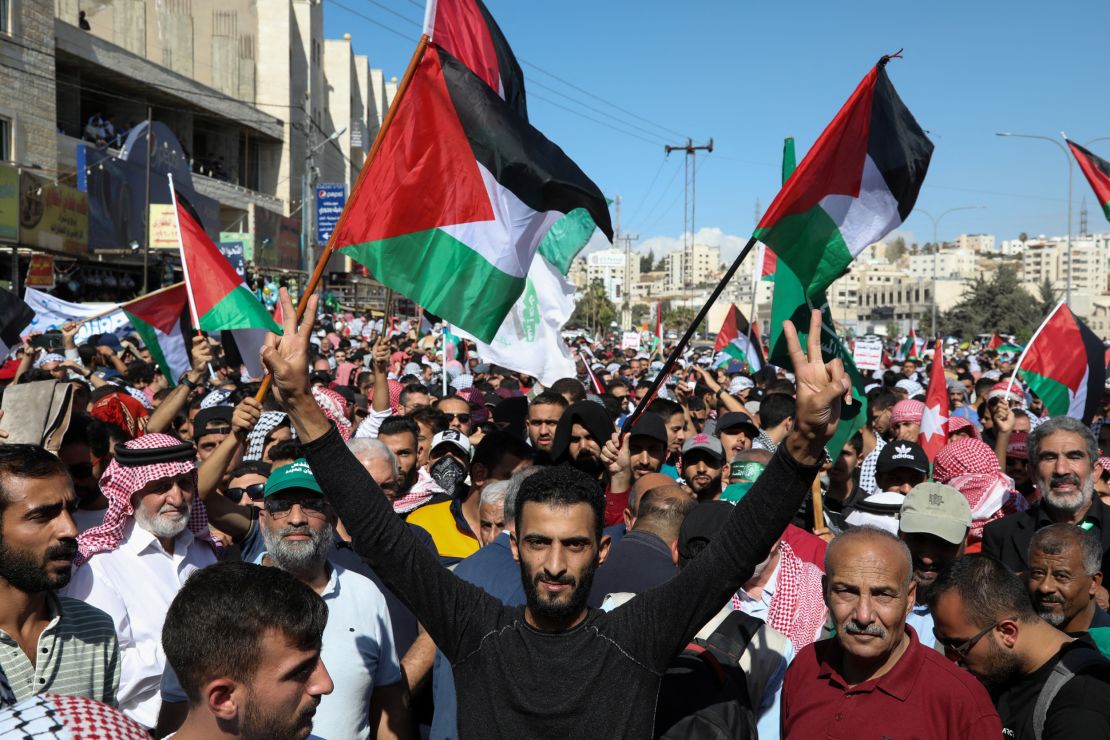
x: 934, y: 522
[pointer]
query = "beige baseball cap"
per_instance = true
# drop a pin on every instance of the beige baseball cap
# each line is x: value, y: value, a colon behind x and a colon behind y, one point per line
x: 937, y: 509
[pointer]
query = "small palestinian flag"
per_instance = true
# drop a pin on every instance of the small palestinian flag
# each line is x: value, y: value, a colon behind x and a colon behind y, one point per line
x: 996, y: 341
x: 1097, y: 172
x: 451, y: 211
x: 911, y: 346
x: 466, y: 30
x: 858, y: 183
x: 220, y: 299
x: 732, y: 340
x: 162, y: 320
x: 1069, y: 383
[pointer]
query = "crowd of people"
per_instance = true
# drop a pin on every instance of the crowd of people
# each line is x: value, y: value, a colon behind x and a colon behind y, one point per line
x: 395, y: 543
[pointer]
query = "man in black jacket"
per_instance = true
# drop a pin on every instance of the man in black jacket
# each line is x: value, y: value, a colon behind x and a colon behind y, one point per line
x: 1062, y: 457
x: 555, y: 668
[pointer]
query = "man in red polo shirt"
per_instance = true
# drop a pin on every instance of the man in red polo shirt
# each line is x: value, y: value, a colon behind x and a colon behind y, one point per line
x: 875, y: 679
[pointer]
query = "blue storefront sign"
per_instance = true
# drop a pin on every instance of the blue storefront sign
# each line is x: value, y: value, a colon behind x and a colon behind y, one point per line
x: 330, y: 198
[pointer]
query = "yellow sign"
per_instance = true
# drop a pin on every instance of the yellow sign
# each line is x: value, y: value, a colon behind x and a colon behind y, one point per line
x: 40, y: 273
x: 9, y: 204
x: 163, y: 226
x: 53, y: 216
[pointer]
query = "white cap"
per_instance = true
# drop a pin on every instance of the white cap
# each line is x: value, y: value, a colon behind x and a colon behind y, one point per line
x: 452, y: 437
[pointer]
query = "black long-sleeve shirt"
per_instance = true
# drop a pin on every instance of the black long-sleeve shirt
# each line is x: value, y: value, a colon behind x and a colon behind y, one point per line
x: 598, y: 679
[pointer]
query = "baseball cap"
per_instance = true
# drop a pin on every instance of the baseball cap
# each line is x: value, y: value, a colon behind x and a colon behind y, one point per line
x: 208, y: 420
x: 736, y: 419
x: 109, y: 340
x: 934, y: 508
x: 705, y: 442
x: 900, y: 454
x: 650, y: 425
x: 452, y: 437
x: 700, y: 526
x: 297, y: 475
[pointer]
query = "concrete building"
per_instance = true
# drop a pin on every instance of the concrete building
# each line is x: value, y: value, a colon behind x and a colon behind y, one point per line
x: 690, y: 268
x: 27, y: 108
x: 1047, y: 259
x: 976, y: 242
x: 609, y: 266
x: 956, y: 263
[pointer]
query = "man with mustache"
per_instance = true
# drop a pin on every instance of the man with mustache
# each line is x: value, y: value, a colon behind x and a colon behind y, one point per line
x: 246, y: 643
x: 933, y: 522
x: 1065, y: 572
x: 703, y: 459
x: 48, y: 643
x: 1062, y: 462
x: 875, y: 678
x: 154, y: 536
x: 547, y: 669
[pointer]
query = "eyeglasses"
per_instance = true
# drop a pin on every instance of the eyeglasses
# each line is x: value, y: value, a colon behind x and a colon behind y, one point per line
x: 960, y: 650
x: 463, y: 418
x: 254, y: 491
x: 279, y: 508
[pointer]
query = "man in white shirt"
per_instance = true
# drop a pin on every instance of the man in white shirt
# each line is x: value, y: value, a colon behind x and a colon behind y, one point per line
x: 154, y: 536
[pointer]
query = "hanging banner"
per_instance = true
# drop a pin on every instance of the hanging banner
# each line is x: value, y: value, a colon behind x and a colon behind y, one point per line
x: 52, y: 216
x: 163, y: 226
x: 40, y: 273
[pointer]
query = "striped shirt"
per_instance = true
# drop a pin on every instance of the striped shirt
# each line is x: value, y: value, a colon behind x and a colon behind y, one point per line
x: 76, y: 655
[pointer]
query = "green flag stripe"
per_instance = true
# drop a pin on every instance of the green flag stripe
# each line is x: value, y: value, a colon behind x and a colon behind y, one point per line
x: 567, y: 237
x: 239, y: 309
x: 811, y: 244
x: 1052, y: 393
x: 1106, y: 210
x: 445, y: 276
x: 150, y: 339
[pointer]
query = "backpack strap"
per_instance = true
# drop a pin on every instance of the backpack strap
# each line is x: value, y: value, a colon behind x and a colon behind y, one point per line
x: 1072, y: 663
x: 734, y: 634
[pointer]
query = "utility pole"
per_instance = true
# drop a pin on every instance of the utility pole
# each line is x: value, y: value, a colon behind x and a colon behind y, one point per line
x: 689, y: 205
x: 146, y: 216
x: 626, y: 289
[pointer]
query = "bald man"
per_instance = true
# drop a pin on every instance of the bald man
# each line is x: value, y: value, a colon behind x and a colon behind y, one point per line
x: 642, y: 485
x: 897, y: 686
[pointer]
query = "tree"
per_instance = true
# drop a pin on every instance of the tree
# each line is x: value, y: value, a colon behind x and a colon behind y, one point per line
x: 1023, y: 237
x: 896, y: 248
x: 594, y: 310
x: 999, y: 304
x: 647, y: 261
x: 640, y: 313
x: 1048, y: 296
x: 679, y: 317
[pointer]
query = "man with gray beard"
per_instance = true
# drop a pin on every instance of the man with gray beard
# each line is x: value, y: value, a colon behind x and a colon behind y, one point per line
x: 1062, y: 458
x: 298, y: 529
x: 154, y: 536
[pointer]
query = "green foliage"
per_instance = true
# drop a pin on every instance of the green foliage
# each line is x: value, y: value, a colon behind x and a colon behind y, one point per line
x: 640, y: 313
x: 647, y: 261
x: 594, y: 310
x: 999, y: 304
x: 678, y: 318
x: 1047, y: 296
x: 896, y: 248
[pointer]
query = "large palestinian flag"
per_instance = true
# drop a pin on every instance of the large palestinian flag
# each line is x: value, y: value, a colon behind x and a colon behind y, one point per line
x: 466, y: 30
x: 1069, y: 382
x: 461, y: 193
x: 858, y: 183
x: 1097, y: 172
x: 162, y: 320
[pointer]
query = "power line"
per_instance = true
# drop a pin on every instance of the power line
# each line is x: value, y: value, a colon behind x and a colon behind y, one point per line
x: 647, y: 193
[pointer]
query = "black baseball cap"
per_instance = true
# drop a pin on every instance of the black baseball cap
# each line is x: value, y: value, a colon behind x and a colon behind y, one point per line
x: 650, y: 425
x: 209, y: 420
x: 737, y: 419
x: 899, y: 454
x: 700, y: 526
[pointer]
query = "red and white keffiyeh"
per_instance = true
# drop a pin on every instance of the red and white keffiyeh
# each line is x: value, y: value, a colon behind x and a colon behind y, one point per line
x: 119, y: 483
x: 334, y: 407
x: 798, y: 606
x: 971, y: 467
x: 908, y: 410
x: 54, y: 717
x: 962, y: 424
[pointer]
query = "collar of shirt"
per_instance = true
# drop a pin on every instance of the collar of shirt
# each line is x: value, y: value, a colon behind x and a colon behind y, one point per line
x: 138, y: 540
x: 332, y: 587
x: 460, y: 520
x: 768, y: 589
x: 1095, y: 514
x: 897, y: 682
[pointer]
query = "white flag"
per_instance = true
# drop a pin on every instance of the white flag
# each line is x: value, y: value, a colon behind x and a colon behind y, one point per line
x: 530, y: 340
x: 51, y: 313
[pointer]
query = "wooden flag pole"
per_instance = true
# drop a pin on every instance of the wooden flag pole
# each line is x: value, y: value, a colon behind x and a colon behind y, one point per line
x: 819, y: 527
x: 321, y: 263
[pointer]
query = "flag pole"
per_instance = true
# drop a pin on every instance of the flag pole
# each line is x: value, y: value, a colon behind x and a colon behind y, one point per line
x: 1032, y: 339
x: 120, y: 306
x: 685, y: 340
x: 757, y: 268
x: 325, y: 255
x: 184, y: 262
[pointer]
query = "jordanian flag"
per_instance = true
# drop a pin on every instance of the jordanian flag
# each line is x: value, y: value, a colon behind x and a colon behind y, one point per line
x: 733, y: 341
x: 1097, y: 172
x: 858, y: 183
x: 162, y: 320
x: 220, y: 299
x: 1070, y: 383
x: 462, y: 191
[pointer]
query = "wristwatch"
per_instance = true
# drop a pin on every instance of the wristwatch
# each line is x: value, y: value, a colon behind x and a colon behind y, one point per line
x: 184, y: 380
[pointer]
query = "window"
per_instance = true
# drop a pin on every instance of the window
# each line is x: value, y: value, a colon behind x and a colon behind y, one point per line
x: 5, y: 133
x: 5, y: 16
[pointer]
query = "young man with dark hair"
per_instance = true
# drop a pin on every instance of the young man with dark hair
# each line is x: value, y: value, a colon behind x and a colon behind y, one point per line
x: 569, y: 388
x: 776, y: 416
x: 244, y: 641
x: 399, y: 433
x: 544, y: 413
x: 524, y: 667
x: 48, y: 643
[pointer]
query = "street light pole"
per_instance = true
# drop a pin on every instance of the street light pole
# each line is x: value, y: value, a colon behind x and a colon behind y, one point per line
x: 1068, y: 157
x: 936, y: 251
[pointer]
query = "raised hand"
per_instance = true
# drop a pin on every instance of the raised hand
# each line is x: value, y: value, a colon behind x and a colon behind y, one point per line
x: 286, y: 357
x: 200, y: 354
x: 820, y: 387
x: 245, y: 417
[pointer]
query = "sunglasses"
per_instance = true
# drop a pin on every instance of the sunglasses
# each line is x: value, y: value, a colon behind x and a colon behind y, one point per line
x: 254, y: 491
x: 463, y: 418
x: 961, y: 649
x: 279, y: 508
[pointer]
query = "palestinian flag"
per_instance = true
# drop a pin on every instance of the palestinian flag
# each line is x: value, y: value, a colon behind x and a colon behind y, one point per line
x: 466, y: 30
x: 934, y: 421
x: 219, y: 298
x: 462, y: 192
x: 911, y: 346
x: 996, y: 341
x: 1097, y: 172
x: 15, y: 316
x: 858, y: 183
x: 1069, y: 383
x: 733, y: 342
x: 162, y: 320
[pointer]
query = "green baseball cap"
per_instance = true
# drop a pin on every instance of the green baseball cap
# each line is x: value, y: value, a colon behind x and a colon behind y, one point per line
x: 937, y: 509
x: 297, y: 475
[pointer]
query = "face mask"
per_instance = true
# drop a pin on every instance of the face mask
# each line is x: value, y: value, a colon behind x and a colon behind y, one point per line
x: 447, y: 472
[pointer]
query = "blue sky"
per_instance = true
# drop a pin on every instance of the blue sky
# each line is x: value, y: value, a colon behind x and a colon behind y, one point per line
x: 749, y: 73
